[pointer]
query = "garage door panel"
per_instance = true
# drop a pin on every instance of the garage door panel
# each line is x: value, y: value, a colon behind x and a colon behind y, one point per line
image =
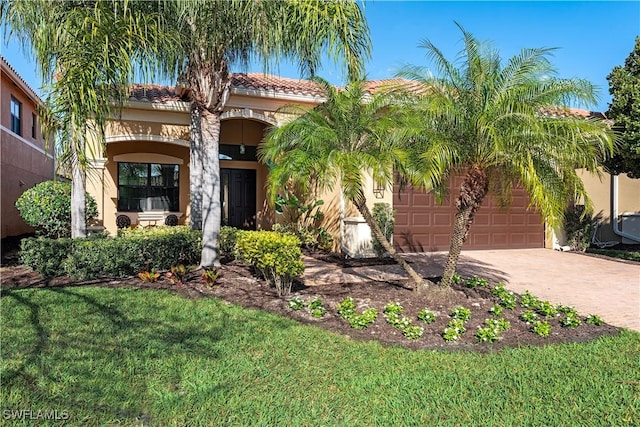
x: 424, y: 225
x: 421, y: 218
x: 481, y: 219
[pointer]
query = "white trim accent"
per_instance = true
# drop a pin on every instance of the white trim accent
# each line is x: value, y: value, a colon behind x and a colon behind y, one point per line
x: 146, y: 138
x: 30, y: 144
x: 148, y: 158
x: 247, y: 113
x: 98, y: 163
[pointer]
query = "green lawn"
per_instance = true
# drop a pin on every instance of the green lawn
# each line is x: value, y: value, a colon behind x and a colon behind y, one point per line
x: 133, y: 357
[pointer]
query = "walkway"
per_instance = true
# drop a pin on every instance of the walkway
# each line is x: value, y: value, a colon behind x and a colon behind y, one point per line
x: 605, y: 287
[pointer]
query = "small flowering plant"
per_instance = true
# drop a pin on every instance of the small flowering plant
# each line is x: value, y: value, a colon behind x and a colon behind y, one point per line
x: 426, y: 315
x: 346, y: 308
x: 454, y: 330
x: 529, y: 316
x: 594, y: 319
x: 475, y: 281
x: 547, y: 309
x: 361, y: 321
x: 413, y: 332
x: 506, y: 298
x: 529, y: 301
x: 570, y: 320
x: 296, y: 303
x: 492, y: 329
x: 496, y: 310
x: 542, y: 328
x: 316, y: 308
x: 460, y: 312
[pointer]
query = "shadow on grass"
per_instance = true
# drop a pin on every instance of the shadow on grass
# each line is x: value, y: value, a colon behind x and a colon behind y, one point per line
x: 103, y: 332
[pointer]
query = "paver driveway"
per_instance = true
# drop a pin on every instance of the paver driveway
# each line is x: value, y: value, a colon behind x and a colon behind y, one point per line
x: 605, y: 287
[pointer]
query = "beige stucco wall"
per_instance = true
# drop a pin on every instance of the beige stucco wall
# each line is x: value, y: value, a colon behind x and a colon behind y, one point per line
x: 245, y: 120
x: 24, y: 160
x: 600, y: 191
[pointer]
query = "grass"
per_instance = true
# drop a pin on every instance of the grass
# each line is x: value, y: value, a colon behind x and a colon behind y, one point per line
x: 628, y: 255
x: 133, y: 357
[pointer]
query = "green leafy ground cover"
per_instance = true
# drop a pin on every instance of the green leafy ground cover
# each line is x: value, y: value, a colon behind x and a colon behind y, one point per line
x: 627, y: 255
x: 133, y: 357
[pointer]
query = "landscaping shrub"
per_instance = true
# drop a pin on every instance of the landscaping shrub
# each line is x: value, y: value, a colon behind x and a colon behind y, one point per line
x: 277, y: 257
x: 45, y: 255
x: 384, y: 217
x: 301, y: 216
x: 227, y: 242
x: 47, y: 208
x: 578, y: 225
x: 134, y: 251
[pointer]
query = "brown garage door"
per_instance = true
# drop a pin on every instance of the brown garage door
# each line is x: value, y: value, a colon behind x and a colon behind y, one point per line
x: 423, y: 225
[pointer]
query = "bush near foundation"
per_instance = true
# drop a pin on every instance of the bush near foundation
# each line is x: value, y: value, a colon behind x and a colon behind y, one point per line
x: 47, y: 208
x: 277, y: 257
x: 45, y: 255
x: 140, y: 250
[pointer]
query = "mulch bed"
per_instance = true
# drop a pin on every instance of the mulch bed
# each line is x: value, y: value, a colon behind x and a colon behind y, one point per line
x: 239, y: 285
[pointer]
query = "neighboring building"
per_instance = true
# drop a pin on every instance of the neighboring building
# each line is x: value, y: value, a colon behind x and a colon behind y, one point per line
x: 616, y: 208
x: 143, y: 177
x: 25, y: 159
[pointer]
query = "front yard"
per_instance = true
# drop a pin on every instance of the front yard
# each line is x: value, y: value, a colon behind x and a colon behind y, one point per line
x: 128, y: 356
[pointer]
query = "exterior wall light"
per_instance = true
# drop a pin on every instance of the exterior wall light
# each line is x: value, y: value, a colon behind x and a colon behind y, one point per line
x: 378, y: 190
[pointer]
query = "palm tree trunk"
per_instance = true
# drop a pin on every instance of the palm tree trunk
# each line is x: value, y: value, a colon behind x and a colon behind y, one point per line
x: 78, y: 196
x: 420, y: 284
x: 195, y: 168
x: 473, y: 190
x: 458, y: 237
x: 211, y: 212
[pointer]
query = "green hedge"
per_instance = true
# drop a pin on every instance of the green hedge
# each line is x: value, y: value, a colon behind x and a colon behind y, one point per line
x: 157, y: 248
x: 277, y: 257
x: 45, y: 255
x: 227, y: 242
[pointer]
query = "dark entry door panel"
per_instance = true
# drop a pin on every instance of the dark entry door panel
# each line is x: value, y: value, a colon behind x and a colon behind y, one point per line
x: 239, y: 198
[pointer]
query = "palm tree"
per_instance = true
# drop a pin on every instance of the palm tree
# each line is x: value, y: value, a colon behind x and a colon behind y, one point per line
x: 86, y: 52
x: 350, y: 134
x: 216, y: 35
x: 501, y: 125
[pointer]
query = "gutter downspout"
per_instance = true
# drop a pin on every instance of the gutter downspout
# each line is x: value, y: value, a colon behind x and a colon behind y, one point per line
x: 614, y: 212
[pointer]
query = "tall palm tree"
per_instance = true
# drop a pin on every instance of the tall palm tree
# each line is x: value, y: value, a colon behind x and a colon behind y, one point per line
x: 500, y: 124
x: 349, y: 135
x: 86, y: 52
x: 218, y: 34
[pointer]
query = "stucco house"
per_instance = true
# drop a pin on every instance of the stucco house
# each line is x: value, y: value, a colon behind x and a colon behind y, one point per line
x: 143, y: 174
x: 25, y: 159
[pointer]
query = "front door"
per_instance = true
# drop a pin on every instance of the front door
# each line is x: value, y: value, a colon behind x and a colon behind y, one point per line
x: 238, y: 198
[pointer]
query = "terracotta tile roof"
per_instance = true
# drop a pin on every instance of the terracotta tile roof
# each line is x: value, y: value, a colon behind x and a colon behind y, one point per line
x: 25, y: 86
x: 373, y: 86
x: 154, y: 93
x: 571, y: 112
x: 268, y: 82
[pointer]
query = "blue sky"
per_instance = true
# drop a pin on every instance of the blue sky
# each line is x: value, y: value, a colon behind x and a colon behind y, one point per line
x: 591, y: 37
